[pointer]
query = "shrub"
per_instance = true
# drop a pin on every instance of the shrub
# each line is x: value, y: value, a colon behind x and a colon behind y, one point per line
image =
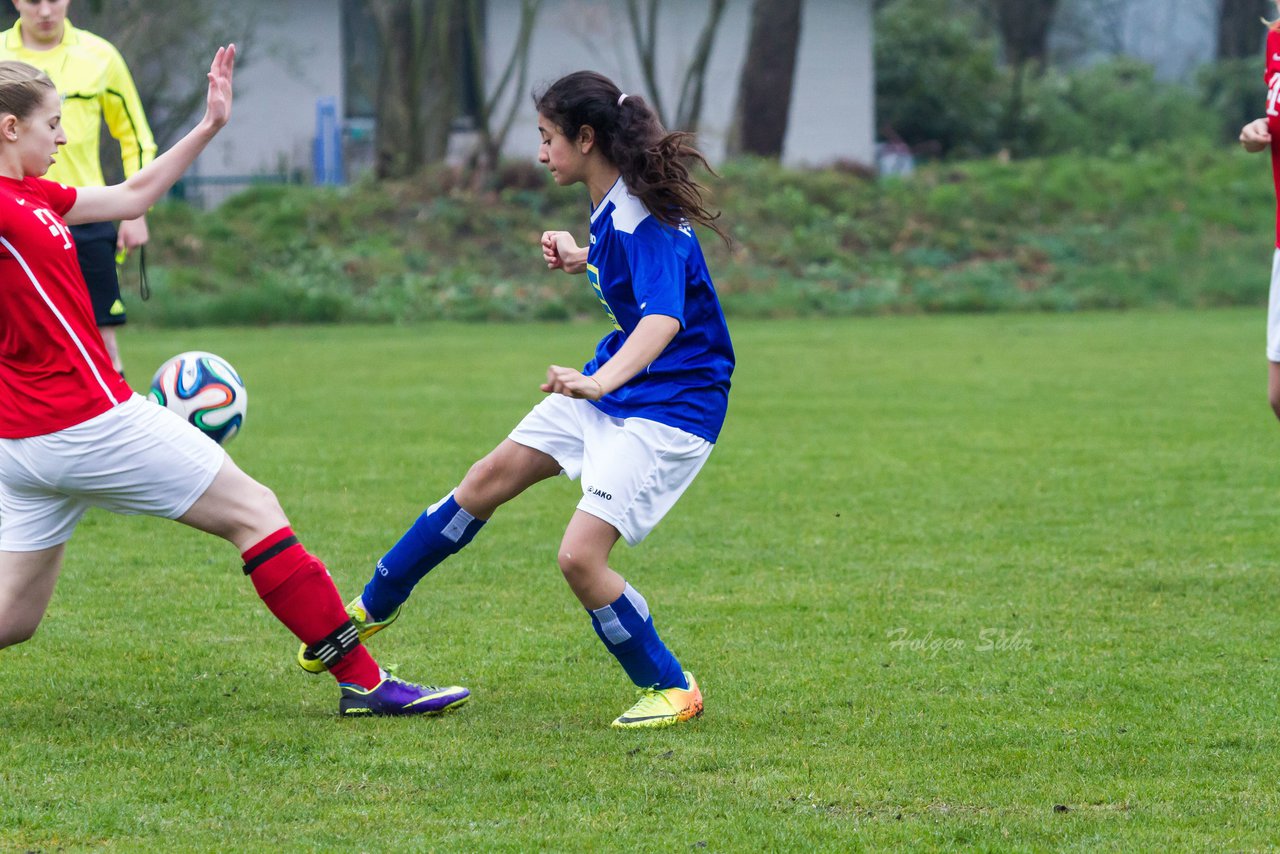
x: 937, y: 83
x: 1116, y: 106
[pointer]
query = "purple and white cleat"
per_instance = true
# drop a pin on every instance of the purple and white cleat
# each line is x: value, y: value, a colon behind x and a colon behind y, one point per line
x: 394, y: 696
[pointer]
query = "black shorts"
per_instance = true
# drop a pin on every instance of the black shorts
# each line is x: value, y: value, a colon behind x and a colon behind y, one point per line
x: 96, y: 246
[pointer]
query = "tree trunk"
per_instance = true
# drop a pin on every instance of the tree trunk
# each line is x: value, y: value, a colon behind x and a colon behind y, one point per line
x: 417, y: 96
x: 1024, y: 29
x: 689, y: 107
x: 1240, y: 30
x: 492, y: 128
x: 1024, y: 33
x: 764, y: 89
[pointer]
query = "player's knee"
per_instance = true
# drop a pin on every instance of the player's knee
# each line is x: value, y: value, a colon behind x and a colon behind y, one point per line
x: 1273, y: 398
x: 577, y: 564
x: 257, y: 513
x: 11, y: 635
x: 481, y: 477
x: 481, y: 491
x: 265, y: 508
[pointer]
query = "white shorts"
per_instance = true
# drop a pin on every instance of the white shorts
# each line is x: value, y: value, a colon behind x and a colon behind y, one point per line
x: 633, y: 470
x: 136, y: 458
x: 1273, y: 311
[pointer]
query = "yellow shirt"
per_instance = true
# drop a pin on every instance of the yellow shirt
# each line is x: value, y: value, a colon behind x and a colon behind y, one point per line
x: 95, y: 84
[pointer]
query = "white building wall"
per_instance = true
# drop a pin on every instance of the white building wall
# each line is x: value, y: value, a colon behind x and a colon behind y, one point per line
x: 832, y: 107
x: 1176, y: 38
x: 294, y: 58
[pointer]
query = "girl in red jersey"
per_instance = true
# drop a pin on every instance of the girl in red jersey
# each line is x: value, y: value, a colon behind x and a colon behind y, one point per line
x: 74, y: 435
x: 1257, y: 136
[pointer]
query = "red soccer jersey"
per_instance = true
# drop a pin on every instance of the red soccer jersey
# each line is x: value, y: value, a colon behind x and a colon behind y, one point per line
x: 54, y: 369
x: 1272, y: 78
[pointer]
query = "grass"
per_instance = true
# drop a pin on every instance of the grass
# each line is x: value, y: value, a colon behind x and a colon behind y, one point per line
x: 996, y: 582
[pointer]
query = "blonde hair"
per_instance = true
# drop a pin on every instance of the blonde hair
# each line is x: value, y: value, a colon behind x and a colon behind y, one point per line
x: 1273, y: 25
x: 22, y: 87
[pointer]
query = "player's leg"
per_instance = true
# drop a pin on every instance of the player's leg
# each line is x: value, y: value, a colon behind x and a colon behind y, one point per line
x: 584, y: 561
x: 297, y: 588
x: 96, y: 251
x: 1273, y: 336
x: 27, y: 580
x: 633, y: 473
x: 36, y: 520
x: 447, y: 526
x: 163, y: 466
x: 1273, y: 386
x: 539, y: 448
x: 621, y: 619
x: 443, y: 529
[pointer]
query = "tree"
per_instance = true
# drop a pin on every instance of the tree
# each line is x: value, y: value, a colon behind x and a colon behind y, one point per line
x: 1240, y: 33
x: 764, y: 89
x: 1231, y: 85
x: 1023, y: 26
x: 937, y: 80
x: 492, y: 136
x: 643, y: 18
x: 417, y: 96
x: 166, y: 46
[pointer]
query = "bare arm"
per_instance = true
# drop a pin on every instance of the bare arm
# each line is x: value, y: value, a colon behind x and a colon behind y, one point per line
x: 561, y: 251
x: 144, y: 188
x: 1255, y: 136
x: 646, y: 342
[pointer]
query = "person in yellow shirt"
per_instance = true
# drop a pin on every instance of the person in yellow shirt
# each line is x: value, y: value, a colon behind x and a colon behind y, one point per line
x: 95, y: 84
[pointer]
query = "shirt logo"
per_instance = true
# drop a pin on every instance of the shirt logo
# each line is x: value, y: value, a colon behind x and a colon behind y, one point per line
x: 56, y: 226
x: 593, y: 276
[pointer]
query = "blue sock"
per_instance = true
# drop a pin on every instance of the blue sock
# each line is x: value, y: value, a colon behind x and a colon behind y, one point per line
x: 627, y: 631
x: 443, y: 529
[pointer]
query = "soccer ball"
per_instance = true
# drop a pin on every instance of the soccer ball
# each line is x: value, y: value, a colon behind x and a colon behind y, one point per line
x: 205, y: 390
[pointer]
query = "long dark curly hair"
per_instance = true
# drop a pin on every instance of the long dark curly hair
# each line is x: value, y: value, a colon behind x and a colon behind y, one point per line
x: 654, y: 162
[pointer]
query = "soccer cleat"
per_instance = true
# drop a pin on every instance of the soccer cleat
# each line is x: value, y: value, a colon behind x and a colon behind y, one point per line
x: 365, y: 628
x: 663, y: 708
x: 394, y: 696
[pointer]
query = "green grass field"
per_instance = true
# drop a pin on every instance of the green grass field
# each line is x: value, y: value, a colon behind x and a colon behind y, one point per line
x: 1004, y: 582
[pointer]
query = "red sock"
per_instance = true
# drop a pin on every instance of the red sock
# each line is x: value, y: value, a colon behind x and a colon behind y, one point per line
x: 297, y: 589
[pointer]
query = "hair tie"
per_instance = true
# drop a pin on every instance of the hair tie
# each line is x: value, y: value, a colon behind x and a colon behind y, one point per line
x: 622, y: 98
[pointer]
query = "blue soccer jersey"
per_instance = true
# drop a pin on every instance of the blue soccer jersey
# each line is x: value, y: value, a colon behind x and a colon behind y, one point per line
x: 639, y: 266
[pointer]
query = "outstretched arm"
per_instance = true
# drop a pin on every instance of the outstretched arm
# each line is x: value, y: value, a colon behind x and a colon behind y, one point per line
x: 145, y: 187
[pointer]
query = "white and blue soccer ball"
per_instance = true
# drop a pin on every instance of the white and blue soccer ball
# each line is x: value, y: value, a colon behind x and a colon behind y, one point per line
x: 205, y: 390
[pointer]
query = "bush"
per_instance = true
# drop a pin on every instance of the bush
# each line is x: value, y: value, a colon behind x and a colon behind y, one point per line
x: 1233, y: 90
x: 1175, y: 225
x: 937, y: 84
x: 1116, y: 106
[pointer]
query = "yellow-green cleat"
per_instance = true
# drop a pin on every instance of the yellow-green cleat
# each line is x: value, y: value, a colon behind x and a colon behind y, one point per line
x: 663, y: 708
x: 365, y: 629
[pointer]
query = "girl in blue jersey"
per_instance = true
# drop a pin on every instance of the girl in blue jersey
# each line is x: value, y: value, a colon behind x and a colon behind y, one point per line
x: 638, y: 421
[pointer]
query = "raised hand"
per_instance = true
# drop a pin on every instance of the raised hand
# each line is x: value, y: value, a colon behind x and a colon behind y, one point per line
x: 218, y: 104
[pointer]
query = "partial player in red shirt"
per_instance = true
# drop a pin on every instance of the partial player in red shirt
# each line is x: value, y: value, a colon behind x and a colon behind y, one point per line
x: 1256, y: 136
x: 73, y: 435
